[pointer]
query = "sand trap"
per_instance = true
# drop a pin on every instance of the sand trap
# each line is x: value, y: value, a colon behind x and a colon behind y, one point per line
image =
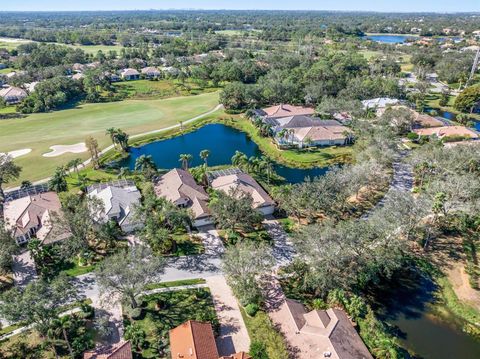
x: 18, y: 153
x: 59, y: 150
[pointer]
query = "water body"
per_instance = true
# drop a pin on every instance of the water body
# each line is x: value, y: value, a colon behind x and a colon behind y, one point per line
x: 452, y: 117
x: 389, y: 39
x: 222, y: 141
x: 410, y: 309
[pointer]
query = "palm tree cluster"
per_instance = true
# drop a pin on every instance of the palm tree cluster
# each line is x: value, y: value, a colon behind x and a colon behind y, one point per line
x: 264, y: 129
x: 146, y: 165
x: 118, y: 137
x: 259, y: 165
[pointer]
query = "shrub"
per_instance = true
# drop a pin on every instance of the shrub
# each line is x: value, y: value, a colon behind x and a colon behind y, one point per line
x: 258, y: 350
x: 412, y: 136
x: 251, y: 309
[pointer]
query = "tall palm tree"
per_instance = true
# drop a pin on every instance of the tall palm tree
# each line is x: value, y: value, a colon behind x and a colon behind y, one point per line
x: 239, y: 159
x: 185, y: 158
x: 181, y: 125
x: 267, y: 165
x: 145, y: 163
x: 58, y: 182
x: 282, y: 134
x: 122, y: 139
x: 63, y: 324
x: 75, y: 164
x: 123, y: 172
x: 204, y: 154
x: 112, y: 132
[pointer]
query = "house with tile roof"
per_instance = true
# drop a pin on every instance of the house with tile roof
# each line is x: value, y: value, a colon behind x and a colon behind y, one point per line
x: 151, y: 72
x: 13, y: 95
x: 34, y: 217
x: 244, y: 183
x: 195, y: 340
x: 119, y: 204
x: 321, y: 333
x: 121, y: 350
x: 448, y: 131
x: 130, y: 74
x: 284, y: 110
x: 179, y: 186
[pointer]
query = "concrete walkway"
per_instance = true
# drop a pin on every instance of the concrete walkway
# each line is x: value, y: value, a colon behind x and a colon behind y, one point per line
x: 233, y: 336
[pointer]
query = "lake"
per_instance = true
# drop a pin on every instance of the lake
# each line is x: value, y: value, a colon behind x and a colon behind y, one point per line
x: 452, y: 117
x: 222, y: 142
x: 389, y: 39
x: 410, y: 307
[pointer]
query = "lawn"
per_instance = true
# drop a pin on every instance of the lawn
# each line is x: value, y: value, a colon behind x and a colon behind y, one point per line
x: 187, y: 245
x: 12, y: 43
x: 176, y: 283
x: 6, y: 70
x: 302, y: 158
x: 165, y: 311
x: 70, y: 126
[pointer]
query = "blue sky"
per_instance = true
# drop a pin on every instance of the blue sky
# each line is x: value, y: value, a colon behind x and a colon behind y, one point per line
x: 367, y: 5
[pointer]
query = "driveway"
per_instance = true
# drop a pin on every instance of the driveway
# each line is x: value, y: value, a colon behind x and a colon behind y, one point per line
x: 283, y: 250
x: 211, y: 241
x: 233, y: 336
x: 23, y: 268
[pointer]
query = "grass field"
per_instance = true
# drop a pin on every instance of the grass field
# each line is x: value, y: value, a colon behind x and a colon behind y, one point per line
x: 70, y: 126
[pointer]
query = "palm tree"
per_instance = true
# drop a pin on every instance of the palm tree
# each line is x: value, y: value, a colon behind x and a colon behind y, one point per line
x: 122, y: 139
x: 181, y: 125
x: 58, y: 183
x: 239, y: 159
x: 123, y: 172
x: 75, y: 163
x: 146, y: 165
x: 282, y: 134
x: 308, y: 141
x: 83, y: 182
x: 64, y: 324
x: 112, y: 132
x: 266, y: 164
x: 185, y: 159
x: 204, y: 156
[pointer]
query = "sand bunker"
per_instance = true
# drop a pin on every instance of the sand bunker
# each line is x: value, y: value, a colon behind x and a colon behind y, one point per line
x: 17, y: 153
x: 59, y: 150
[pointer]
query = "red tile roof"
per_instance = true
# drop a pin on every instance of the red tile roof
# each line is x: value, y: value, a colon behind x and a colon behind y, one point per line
x: 193, y: 340
x: 122, y: 350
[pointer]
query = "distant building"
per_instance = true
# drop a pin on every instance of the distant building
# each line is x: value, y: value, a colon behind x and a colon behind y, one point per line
x: 244, y: 183
x: 119, y: 204
x: 122, y: 350
x: 130, y: 74
x: 195, y: 340
x: 283, y: 110
x: 179, y: 186
x: 448, y: 131
x: 13, y: 95
x: 151, y: 72
x: 33, y: 217
x: 78, y: 76
x: 379, y: 103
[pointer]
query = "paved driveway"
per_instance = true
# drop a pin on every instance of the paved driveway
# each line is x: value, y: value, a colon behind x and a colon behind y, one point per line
x: 283, y: 250
x: 233, y: 336
x: 23, y: 268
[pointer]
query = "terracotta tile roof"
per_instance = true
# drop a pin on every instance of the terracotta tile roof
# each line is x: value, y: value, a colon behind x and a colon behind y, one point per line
x: 35, y: 211
x: 150, y: 70
x: 243, y: 183
x: 122, y: 350
x: 193, y: 340
x: 286, y: 111
x: 12, y: 92
x: 179, y: 186
x: 446, y: 131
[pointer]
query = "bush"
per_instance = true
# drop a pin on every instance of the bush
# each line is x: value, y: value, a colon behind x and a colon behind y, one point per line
x: 412, y: 136
x: 251, y: 309
x: 258, y: 350
x: 133, y: 313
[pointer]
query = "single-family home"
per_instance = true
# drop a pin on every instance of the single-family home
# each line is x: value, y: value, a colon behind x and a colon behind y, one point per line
x: 130, y: 74
x: 13, y: 95
x: 78, y: 76
x: 170, y: 70
x: 284, y: 110
x: 33, y: 216
x: 151, y: 72
x: 179, y: 186
x: 76, y: 67
x: 448, y: 131
x: 423, y: 120
x: 320, y: 333
x: 120, y: 350
x: 379, y: 103
x: 30, y: 86
x: 119, y: 202
x: 195, y: 340
x: 240, y: 182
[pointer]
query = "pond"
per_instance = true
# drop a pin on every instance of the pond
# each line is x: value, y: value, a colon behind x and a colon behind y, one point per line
x: 451, y: 116
x: 389, y: 39
x: 222, y: 141
x: 410, y: 308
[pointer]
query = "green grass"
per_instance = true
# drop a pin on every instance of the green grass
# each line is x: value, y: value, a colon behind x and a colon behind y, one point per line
x: 90, y: 49
x: 8, y: 109
x: 300, y: 158
x: 260, y: 329
x: 10, y: 328
x: 6, y: 70
x: 187, y: 245
x: 70, y: 126
x: 176, y: 283
x: 175, y: 308
x: 73, y: 269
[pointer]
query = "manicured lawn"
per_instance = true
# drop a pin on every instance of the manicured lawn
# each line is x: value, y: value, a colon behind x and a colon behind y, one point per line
x: 260, y: 329
x: 187, y: 245
x: 73, y: 269
x: 176, y: 283
x: 314, y: 157
x: 259, y: 235
x: 70, y: 126
x: 164, y: 311
x: 7, y: 110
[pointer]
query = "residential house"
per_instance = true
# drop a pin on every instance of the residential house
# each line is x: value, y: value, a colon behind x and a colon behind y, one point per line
x: 78, y: 76
x: 121, y: 350
x: 76, y: 67
x: 13, y: 95
x: 243, y: 183
x: 33, y: 217
x: 320, y: 333
x: 448, y: 131
x: 30, y: 86
x: 424, y: 120
x: 130, y: 74
x: 179, y: 187
x: 195, y: 340
x: 170, y: 70
x: 151, y: 73
x: 119, y: 202
x: 379, y: 103
x: 283, y: 110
